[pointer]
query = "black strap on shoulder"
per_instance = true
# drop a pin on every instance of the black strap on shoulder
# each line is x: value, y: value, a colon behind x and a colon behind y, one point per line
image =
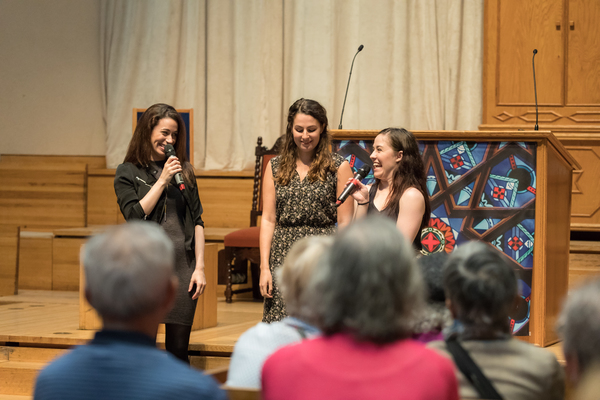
x: 467, y: 366
x: 301, y: 331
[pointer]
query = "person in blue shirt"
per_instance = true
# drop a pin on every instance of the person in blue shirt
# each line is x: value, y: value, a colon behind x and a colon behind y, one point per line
x: 130, y: 281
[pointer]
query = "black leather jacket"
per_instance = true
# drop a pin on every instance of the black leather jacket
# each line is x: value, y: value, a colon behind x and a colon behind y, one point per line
x: 132, y: 183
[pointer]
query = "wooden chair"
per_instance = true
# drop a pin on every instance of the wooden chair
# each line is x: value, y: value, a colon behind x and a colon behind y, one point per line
x: 242, y: 246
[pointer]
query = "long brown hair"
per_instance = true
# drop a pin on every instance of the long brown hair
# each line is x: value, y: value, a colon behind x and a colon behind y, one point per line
x: 322, y: 162
x: 409, y: 172
x: 139, y: 151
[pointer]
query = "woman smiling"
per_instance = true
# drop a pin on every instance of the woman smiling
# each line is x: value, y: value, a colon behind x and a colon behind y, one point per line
x: 300, y: 187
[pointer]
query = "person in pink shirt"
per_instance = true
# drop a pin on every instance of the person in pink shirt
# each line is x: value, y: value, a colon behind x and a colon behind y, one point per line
x: 364, y: 293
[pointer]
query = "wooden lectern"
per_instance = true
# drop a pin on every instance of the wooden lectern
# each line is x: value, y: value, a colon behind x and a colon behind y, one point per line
x: 511, y: 190
x: 206, y: 308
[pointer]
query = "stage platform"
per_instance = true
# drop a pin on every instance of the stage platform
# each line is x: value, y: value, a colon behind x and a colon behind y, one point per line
x: 40, y: 318
x: 36, y: 326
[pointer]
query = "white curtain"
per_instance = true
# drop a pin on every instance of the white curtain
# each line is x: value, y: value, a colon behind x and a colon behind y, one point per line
x: 240, y: 64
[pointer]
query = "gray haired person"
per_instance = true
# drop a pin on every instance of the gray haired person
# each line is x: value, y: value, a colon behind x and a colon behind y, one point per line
x: 262, y: 340
x: 130, y: 281
x: 481, y: 287
x: 579, y: 326
x: 363, y: 297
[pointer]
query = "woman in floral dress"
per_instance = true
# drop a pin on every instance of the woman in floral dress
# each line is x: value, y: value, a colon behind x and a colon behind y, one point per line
x: 300, y: 188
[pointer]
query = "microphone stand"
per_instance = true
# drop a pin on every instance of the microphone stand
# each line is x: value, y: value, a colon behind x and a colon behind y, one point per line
x: 348, y: 85
x: 535, y: 90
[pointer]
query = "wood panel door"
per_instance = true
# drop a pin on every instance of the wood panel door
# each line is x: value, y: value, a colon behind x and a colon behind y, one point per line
x: 522, y: 27
x: 583, y: 61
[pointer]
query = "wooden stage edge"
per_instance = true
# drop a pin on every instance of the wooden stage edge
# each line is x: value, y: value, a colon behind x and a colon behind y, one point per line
x: 40, y: 318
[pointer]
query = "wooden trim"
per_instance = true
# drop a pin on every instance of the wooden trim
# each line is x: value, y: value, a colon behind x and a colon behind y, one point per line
x: 198, y: 173
x: 475, y: 136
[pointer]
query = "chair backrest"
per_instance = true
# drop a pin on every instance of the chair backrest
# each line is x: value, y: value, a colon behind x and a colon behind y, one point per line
x: 263, y: 156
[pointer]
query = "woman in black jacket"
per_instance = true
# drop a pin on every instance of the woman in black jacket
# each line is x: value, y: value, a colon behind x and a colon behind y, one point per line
x: 146, y: 189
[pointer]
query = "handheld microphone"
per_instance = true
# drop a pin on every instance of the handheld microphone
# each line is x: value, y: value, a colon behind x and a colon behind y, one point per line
x: 170, y: 152
x: 535, y: 90
x: 353, y: 185
x: 348, y: 85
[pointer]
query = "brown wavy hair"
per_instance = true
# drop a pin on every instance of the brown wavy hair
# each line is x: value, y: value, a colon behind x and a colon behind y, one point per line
x: 139, y: 151
x: 322, y: 162
x: 409, y: 172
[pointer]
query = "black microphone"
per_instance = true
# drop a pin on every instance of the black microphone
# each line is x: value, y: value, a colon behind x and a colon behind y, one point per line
x: 535, y: 90
x: 348, y: 85
x: 170, y: 152
x: 353, y: 185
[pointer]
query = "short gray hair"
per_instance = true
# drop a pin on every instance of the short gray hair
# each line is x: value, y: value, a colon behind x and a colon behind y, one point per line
x: 482, y: 286
x: 127, y: 269
x: 579, y: 324
x: 368, y: 284
x: 296, y: 272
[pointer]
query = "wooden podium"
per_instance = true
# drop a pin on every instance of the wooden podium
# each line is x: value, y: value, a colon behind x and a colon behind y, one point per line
x: 206, y: 309
x: 511, y: 190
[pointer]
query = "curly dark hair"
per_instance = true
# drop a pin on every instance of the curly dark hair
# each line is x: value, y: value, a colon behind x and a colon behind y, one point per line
x: 323, y: 161
x: 409, y: 172
x: 139, y: 151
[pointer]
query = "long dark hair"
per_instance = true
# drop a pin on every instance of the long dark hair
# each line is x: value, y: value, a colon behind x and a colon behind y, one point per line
x: 409, y: 172
x: 323, y: 161
x: 139, y: 151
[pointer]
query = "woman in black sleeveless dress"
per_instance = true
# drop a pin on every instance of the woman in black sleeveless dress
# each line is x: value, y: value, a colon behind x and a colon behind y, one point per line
x: 399, y: 191
x: 145, y: 189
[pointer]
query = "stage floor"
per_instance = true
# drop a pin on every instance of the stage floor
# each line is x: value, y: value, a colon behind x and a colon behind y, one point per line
x: 51, y: 319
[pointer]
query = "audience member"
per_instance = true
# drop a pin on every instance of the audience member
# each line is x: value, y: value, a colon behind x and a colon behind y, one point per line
x: 579, y: 326
x: 130, y: 281
x: 260, y: 341
x: 481, y: 287
x: 363, y: 295
x: 435, y: 316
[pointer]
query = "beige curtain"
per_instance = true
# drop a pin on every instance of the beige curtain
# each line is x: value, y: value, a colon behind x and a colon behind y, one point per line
x: 240, y: 64
x: 153, y: 51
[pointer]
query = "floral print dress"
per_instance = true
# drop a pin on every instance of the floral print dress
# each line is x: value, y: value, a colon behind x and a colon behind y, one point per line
x: 302, y: 208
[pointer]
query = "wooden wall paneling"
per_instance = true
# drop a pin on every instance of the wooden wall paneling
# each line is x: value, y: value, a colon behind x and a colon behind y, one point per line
x: 65, y: 262
x: 226, y: 201
x: 8, y: 259
x: 585, y: 209
x: 102, y: 207
x: 566, y: 34
x: 35, y: 260
x: 50, y: 196
x: 518, y: 34
x: 583, y: 57
x: 23, y: 160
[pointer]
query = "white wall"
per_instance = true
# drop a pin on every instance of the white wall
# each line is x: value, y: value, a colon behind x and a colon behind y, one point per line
x: 50, y: 88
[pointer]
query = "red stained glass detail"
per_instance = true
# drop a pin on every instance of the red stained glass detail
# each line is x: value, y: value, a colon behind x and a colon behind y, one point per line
x: 499, y: 193
x: 457, y: 162
x: 515, y: 243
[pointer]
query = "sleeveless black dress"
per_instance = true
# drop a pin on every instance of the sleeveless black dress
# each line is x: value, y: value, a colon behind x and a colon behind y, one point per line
x: 389, y: 213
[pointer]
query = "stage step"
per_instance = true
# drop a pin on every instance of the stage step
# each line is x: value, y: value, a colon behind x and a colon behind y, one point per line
x: 584, y: 262
x: 18, y: 377
x: 19, y: 367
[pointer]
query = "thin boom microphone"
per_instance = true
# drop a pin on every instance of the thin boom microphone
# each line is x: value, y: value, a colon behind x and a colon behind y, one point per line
x: 348, y: 85
x: 535, y: 90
